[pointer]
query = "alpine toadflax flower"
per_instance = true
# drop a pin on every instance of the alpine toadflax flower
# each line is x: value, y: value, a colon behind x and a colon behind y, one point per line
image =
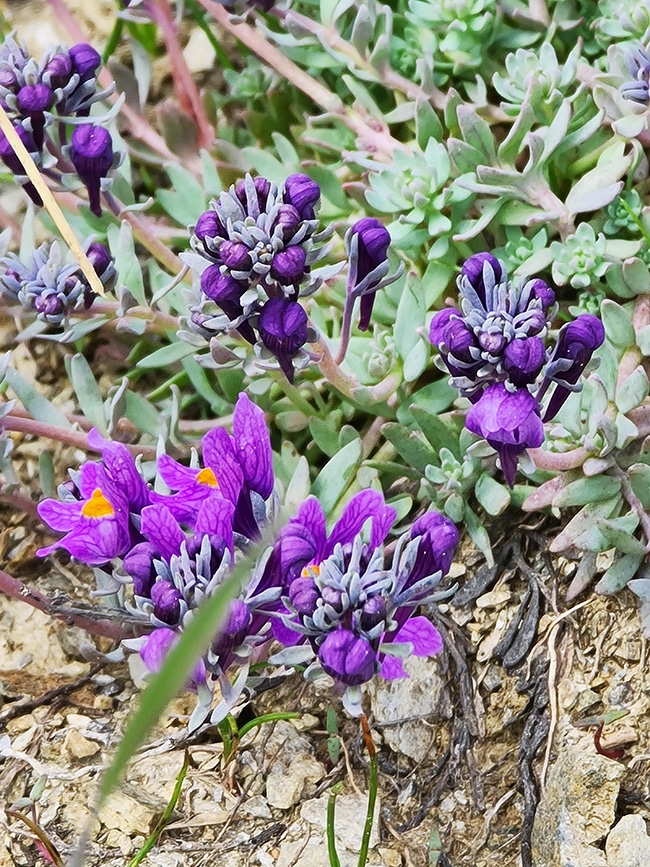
x: 50, y: 286
x: 176, y: 550
x: 497, y: 348
x: 254, y: 251
x: 348, y: 611
x: 43, y: 99
x: 367, y: 242
x: 91, y: 152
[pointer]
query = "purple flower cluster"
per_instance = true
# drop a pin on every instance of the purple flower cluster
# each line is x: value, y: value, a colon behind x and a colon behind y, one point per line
x: 496, y: 349
x: 49, y: 285
x: 254, y: 250
x: 331, y: 599
x: 43, y: 99
x: 345, y: 607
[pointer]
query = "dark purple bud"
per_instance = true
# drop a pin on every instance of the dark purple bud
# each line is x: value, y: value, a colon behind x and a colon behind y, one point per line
x: 12, y: 162
x: 347, y: 658
x: 374, y: 241
x: 99, y: 258
x: 575, y: 345
x: 221, y: 287
x: 234, y: 630
x: 34, y: 98
x: 157, y: 646
x: 303, y: 193
x: 91, y: 153
x: 209, y: 226
x: 543, y: 292
x: 288, y: 266
x: 58, y: 70
x: 369, y: 263
x: 438, y: 540
x: 138, y: 563
x: 166, y: 602
x: 283, y: 330
x: 304, y: 594
x: 262, y: 188
x: 523, y: 360
x: 440, y: 324
x: 33, y: 101
x: 289, y: 219
x: 510, y: 421
x: 49, y: 305
x: 473, y: 270
x: 373, y: 612
x: 85, y: 60
x: 235, y: 256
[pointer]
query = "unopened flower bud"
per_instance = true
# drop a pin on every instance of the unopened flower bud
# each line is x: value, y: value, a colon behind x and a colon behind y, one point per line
x: 91, y: 153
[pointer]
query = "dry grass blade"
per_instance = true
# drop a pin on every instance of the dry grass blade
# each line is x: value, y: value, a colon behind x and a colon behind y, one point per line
x: 50, y: 203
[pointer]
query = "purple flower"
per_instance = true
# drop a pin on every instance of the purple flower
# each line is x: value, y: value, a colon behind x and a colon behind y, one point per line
x: 510, y: 422
x: 96, y: 525
x: 575, y: 345
x: 92, y: 155
x: 96, y: 518
x: 345, y: 602
x: 283, y: 330
x: 50, y: 286
x: 260, y: 244
x: 236, y: 469
x: 497, y: 334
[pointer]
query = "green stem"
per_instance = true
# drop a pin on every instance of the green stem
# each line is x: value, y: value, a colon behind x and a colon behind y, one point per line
x: 297, y: 399
x: 199, y: 17
x: 113, y: 40
x: 372, y: 793
x: 164, y: 388
x: 331, y: 838
x: 265, y: 718
x: 637, y: 221
x: 151, y: 841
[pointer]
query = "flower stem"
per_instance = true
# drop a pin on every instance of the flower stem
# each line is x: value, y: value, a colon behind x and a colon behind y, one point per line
x: 185, y: 87
x: 332, y: 372
x: 17, y: 590
x: 331, y: 837
x: 372, y: 792
x: 63, y: 435
x: 376, y: 140
x: 142, y: 232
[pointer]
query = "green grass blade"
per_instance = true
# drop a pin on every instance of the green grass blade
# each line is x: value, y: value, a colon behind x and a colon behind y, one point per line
x: 167, y: 683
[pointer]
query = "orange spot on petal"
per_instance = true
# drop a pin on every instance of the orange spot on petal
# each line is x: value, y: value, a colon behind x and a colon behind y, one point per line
x: 309, y: 571
x: 207, y: 477
x: 97, y: 506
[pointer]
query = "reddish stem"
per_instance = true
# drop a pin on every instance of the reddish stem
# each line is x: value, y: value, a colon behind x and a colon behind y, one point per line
x: 185, y: 88
x: 17, y: 590
x: 71, y: 437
